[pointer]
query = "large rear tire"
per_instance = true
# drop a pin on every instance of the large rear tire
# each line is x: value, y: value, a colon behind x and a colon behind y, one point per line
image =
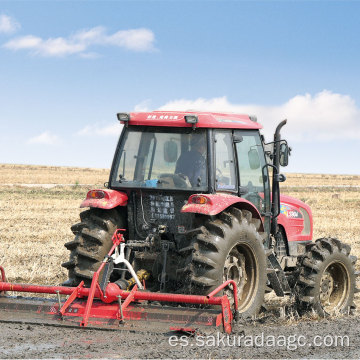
x: 229, y: 247
x: 92, y: 242
x: 326, y: 282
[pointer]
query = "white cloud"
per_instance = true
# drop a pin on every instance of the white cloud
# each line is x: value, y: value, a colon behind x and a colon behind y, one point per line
x: 46, y: 138
x: 79, y: 43
x: 95, y: 35
x: 98, y: 130
x: 8, y: 25
x: 143, y: 106
x: 24, y: 42
x: 137, y: 40
x: 111, y: 130
x: 323, y: 116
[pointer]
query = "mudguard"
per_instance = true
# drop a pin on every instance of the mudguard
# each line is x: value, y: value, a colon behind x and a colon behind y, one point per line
x: 213, y: 204
x: 104, y: 199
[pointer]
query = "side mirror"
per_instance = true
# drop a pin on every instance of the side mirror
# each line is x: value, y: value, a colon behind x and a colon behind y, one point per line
x: 170, y: 151
x: 284, y: 154
x: 254, y: 160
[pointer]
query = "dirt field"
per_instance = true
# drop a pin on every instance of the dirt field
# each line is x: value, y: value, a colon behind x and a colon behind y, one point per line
x: 35, y: 223
x: 34, y: 341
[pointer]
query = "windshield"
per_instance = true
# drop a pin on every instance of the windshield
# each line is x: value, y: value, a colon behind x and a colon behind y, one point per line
x: 162, y: 158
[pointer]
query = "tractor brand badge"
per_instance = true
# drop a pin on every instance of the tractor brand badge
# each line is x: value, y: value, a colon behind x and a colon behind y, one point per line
x: 162, y: 117
x: 290, y: 212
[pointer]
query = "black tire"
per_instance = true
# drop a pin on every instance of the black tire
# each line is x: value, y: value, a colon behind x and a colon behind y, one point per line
x: 280, y: 248
x: 92, y: 242
x: 224, y: 248
x: 326, y: 281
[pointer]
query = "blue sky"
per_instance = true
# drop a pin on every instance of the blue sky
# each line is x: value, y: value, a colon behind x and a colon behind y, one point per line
x: 68, y: 67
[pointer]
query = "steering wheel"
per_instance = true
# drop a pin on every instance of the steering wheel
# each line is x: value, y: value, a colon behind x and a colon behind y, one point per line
x: 180, y: 180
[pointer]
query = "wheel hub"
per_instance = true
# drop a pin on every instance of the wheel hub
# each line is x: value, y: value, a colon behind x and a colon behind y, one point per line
x: 234, y: 269
x: 326, y: 287
x: 334, y: 287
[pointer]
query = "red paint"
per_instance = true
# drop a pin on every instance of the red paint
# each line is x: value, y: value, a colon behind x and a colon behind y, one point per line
x: 226, y: 313
x: 222, y: 286
x: 104, y: 199
x: 95, y: 287
x: 294, y: 226
x: 216, y: 203
x: 111, y: 294
x: 205, y: 120
x: 102, y: 313
x: 75, y: 294
x: 3, y: 276
x: 110, y: 310
x: 130, y: 298
x: 118, y: 237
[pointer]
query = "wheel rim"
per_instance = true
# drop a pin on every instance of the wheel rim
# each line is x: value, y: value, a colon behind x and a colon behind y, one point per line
x: 334, y: 287
x: 241, y: 266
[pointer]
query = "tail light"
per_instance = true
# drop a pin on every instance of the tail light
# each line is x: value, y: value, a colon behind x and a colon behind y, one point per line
x: 96, y: 194
x: 200, y: 199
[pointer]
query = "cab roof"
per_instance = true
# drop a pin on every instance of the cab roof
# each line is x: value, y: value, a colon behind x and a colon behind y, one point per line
x: 205, y: 119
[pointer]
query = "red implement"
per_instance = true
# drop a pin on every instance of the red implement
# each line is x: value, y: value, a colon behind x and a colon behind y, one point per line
x: 104, y: 308
x: 76, y: 311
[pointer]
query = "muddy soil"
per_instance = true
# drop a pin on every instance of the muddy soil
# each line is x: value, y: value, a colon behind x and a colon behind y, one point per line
x: 335, y: 338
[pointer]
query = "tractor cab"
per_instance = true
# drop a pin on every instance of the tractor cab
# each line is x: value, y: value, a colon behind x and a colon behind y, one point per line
x: 166, y: 155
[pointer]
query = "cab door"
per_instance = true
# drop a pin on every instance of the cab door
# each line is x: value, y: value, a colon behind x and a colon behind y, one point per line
x: 254, y: 183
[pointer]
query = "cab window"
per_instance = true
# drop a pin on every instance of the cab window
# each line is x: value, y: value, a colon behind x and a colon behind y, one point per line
x: 254, y: 184
x: 225, y: 170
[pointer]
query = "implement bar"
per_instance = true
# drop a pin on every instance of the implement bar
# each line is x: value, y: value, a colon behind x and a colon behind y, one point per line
x: 111, y: 292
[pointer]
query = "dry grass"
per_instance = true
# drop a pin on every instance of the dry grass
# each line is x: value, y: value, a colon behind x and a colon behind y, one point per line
x: 35, y: 222
x: 36, y: 174
x: 34, y: 225
x: 322, y: 180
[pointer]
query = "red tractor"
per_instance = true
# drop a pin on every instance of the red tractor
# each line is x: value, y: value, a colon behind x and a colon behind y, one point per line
x: 198, y: 194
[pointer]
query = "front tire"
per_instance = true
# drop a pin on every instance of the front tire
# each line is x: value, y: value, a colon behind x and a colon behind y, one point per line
x: 229, y: 247
x: 326, y: 281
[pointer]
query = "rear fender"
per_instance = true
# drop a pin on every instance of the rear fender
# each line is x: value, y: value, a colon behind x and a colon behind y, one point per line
x: 213, y: 204
x: 104, y: 199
